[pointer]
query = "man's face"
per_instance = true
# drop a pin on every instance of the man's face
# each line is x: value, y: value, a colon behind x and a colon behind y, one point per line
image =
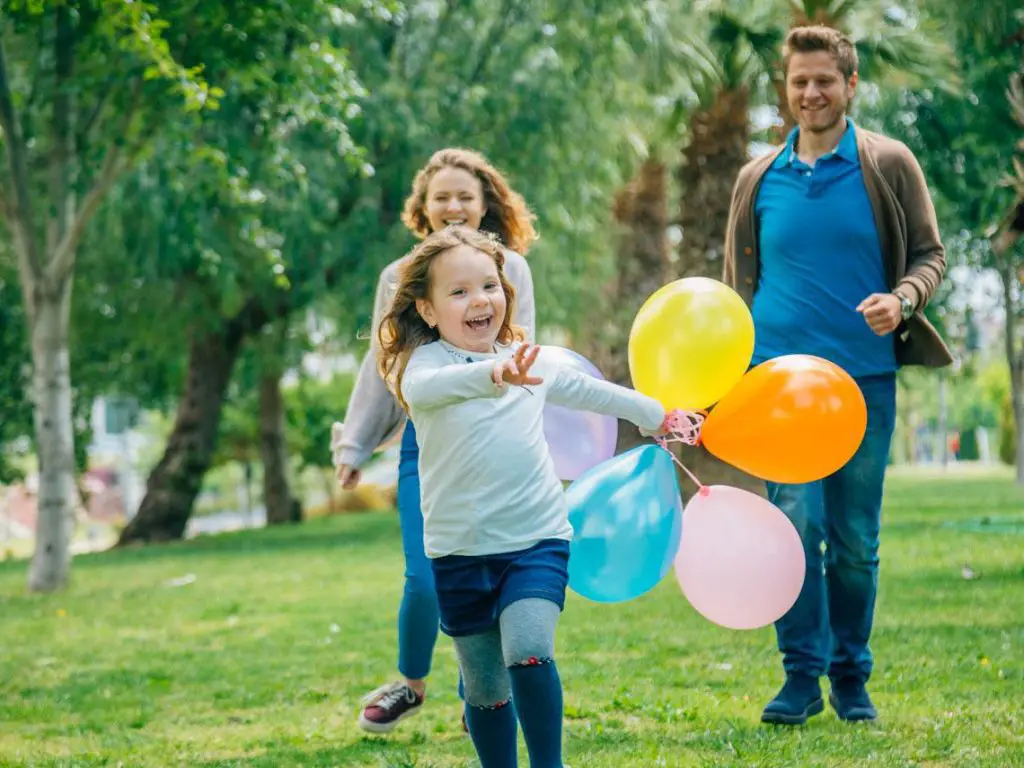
x: 817, y: 92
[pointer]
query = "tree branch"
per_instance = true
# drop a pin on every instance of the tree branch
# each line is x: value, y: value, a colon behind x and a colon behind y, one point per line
x: 494, y: 35
x: 20, y: 206
x: 62, y: 154
x: 258, y: 311
x: 63, y: 259
x: 1010, y: 332
x: 39, y: 81
x: 1003, y: 240
x: 440, y: 30
x: 84, y: 132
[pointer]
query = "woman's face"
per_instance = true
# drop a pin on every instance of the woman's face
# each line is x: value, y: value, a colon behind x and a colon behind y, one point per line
x: 454, y: 196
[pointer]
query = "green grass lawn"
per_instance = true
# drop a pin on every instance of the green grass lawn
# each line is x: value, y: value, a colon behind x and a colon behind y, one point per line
x: 262, y: 657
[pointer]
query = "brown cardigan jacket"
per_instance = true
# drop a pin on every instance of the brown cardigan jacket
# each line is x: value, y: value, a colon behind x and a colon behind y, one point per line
x: 914, y: 257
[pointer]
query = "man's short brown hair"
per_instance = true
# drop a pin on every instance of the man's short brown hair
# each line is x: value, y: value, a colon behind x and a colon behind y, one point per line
x: 820, y: 38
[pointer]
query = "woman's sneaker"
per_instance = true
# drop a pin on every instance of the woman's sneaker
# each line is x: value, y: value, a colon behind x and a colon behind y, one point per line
x: 387, y: 706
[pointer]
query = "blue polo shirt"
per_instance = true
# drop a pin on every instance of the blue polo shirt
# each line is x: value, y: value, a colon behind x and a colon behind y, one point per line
x: 820, y: 257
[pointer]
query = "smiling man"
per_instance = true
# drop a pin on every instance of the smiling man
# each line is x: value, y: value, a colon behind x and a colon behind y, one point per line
x: 833, y: 241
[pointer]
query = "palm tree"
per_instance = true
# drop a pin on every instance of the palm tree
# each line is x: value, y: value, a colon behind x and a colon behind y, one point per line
x: 1004, y: 238
x: 1011, y: 229
x: 668, y: 66
x: 736, y: 58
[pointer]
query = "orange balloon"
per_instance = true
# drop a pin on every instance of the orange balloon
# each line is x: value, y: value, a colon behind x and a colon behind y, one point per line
x: 793, y: 419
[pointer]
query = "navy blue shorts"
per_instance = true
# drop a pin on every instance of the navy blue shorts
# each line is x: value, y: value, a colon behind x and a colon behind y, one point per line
x: 472, y: 591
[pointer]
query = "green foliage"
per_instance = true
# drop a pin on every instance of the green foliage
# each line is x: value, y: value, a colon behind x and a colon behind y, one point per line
x: 285, y: 191
x: 965, y: 140
x: 237, y: 205
x: 993, y: 385
x: 239, y: 434
x: 15, y: 406
x: 974, y: 398
x: 969, y: 445
x: 136, y: 29
x: 310, y: 408
x: 529, y: 84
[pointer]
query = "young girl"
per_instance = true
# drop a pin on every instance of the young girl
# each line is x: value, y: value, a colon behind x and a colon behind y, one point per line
x: 456, y: 186
x: 496, y: 524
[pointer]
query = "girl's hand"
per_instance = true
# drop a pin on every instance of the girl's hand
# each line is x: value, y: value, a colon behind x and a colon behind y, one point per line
x: 348, y: 476
x: 663, y: 430
x: 517, y: 370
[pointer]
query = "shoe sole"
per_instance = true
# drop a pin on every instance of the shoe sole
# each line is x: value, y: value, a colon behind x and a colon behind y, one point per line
x: 371, y: 727
x: 816, y: 707
x: 854, y: 715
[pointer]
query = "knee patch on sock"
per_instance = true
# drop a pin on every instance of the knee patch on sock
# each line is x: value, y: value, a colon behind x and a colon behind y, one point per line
x: 483, y: 691
x: 483, y: 671
x: 491, y: 707
x: 532, y: 661
x: 528, y: 632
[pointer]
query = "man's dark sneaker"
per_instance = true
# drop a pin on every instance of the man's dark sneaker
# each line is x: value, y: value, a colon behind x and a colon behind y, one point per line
x: 387, y: 706
x: 849, y: 698
x: 799, y: 699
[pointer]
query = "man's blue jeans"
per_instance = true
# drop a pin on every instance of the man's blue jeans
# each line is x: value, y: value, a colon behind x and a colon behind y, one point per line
x: 828, y: 628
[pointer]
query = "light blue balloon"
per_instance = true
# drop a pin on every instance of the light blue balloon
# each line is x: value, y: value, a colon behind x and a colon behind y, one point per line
x: 627, y: 517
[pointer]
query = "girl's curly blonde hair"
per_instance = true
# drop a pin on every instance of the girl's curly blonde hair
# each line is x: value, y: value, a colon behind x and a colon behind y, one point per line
x: 403, y: 329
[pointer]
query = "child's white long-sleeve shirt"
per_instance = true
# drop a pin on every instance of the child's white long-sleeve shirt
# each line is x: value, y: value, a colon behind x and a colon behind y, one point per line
x: 488, y: 483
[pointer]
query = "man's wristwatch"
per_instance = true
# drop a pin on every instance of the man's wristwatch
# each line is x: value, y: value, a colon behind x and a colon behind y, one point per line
x: 906, y: 305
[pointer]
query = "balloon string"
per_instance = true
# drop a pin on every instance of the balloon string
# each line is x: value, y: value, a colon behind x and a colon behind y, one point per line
x: 683, y: 427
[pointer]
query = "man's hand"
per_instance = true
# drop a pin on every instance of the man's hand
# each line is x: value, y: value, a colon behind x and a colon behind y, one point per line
x: 517, y: 369
x: 882, y: 312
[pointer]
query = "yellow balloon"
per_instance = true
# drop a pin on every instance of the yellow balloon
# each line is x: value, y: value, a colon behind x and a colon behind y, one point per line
x: 690, y: 343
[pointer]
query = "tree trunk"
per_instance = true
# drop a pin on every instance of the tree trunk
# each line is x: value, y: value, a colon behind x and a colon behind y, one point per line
x: 1016, y: 385
x: 641, y: 211
x: 54, y: 439
x: 1013, y: 361
x: 719, y: 137
x: 788, y: 121
x: 1018, y: 420
x: 277, y: 496
x: 247, y: 491
x: 174, y: 483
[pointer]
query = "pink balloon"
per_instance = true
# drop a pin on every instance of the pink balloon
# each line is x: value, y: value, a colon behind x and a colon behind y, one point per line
x: 740, y: 561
